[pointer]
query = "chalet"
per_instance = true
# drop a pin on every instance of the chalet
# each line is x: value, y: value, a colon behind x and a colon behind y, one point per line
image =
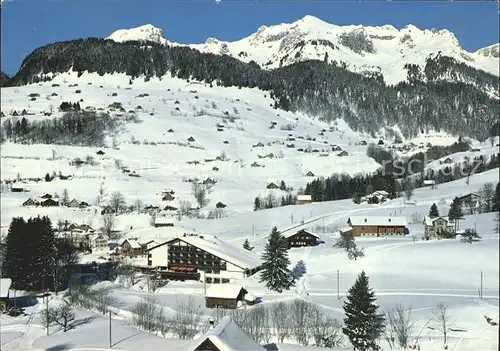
x: 324, y: 154
x: 83, y: 204
x: 226, y: 335
x: 220, y: 205
x: 134, y: 174
x: 203, y: 258
x: 363, y: 142
x: 255, y: 164
x: 46, y: 196
x: 191, y: 139
x: 170, y: 130
x: 167, y: 191
x: 225, y: 142
x: 309, y: 174
x: 49, y: 203
x: 434, y: 227
x: 304, y: 199
x: 470, y: 203
x: 17, y: 190
x: 259, y: 144
x: 98, y: 242
x: 224, y: 296
x: 209, y: 181
x: 446, y: 161
x: 377, y: 225
x: 301, y: 238
x: 430, y: 182
x: 5, y: 285
x: 149, y: 245
x: 342, y: 153
x: 215, y: 169
x: 272, y: 186
x: 74, y: 203
x: 163, y: 222
x: 15, y: 113
x: 131, y: 247
x: 168, y: 197
x: 31, y: 202
x: 290, y: 146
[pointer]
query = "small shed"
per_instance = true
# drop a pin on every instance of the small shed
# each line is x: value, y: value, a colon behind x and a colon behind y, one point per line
x: 220, y: 205
x: 342, y: 153
x: 100, y: 152
x: 31, y: 202
x: 304, y: 199
x: 224, y: 296
x: 272, y: 186
x: 309, y: 174
x: 49, y: 203
x: 163, y: 222
x: 191, y: 139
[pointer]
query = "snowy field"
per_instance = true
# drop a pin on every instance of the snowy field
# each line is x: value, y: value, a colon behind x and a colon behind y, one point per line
x: 419, y: 274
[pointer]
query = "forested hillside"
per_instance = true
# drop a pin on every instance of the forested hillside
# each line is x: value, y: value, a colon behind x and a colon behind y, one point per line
x: 447, y: 96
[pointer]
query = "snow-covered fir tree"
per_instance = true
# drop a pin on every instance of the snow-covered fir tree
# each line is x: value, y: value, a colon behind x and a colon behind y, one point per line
x: 455, y: 213
x: 275, y: 273
x: 246, y: 245
x: 363, y: 326
x: 433, y: 212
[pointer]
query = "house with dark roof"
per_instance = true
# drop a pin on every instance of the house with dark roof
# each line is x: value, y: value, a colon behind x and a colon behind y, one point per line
x: 301, y: 238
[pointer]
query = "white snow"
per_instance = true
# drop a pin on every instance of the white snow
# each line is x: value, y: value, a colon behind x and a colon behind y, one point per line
x: 378, y: 221
x: 5, y: 284
x: 226, y: 291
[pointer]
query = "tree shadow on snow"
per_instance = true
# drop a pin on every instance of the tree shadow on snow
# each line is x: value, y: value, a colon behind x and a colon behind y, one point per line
x: 61, y: 347
x: 271, y: 347
x: 81, y: 321
x: 23, y: 301
x: 124, y: 339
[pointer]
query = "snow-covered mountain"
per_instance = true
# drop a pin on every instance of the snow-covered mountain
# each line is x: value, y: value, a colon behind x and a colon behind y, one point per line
x: 146, y: 32
x: 361, y: 49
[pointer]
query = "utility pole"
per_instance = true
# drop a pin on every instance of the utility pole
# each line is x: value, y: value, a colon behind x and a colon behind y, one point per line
x: 110, y: 346
x: 481, y: 291
x: 338, y: 285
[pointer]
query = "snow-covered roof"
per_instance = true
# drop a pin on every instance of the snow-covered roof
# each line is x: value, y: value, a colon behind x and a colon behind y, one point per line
x: 377, y: 221
x: 304, y: 197
x: 224, y: 291
x: 5, y: 284
x: 133, y: 243
x: 240, y: 257
x: 164, y: 220
x: 429, y: 182
x: 289, y: 234
x: 228, y: 336
x: 345, y: 229
x: 429, y: 221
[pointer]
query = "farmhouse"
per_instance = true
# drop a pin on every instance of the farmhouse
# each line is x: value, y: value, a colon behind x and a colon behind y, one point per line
x: 430, y: 182
x: 220, y: 205
x: 342, y: 153
x: 224, y: 296
x: 377, y: 225
x: 272, y: 186
x: 302, y: 238
x: 98, y: 242
x: 304, y: 199
x: 74, y: 203
x: 227, y: 335
x: 163, y: 222
x: 470, y: 203
x: 204, y: 258
x: 131, y: 247
x: 49, y: 203
x: 168, y: 197
x: 309, y: 174
x: 435, y: 226
x: 31, y: 202
x: 100, y: 152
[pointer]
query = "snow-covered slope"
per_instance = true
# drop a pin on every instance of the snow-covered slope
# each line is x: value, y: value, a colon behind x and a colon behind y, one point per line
x: 370, y: 50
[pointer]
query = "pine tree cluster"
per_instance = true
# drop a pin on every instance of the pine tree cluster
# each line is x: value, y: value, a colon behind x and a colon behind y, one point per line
x: 33, y: 258
x: 315, y: 87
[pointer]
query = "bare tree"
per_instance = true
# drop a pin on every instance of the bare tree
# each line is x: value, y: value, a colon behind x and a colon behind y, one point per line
x: 152, y: 219
x: 441, y: 318
x: 399, y: 327
x: 416, y: 217
x: 101, y: 194
x: 62, y: 316
x: 145, y: 314
x: 300, y: 312
x: 138, y: 205
x: 108, y: 222
x: 217, y: 213
x: 117, y: 202
x: 186, y: 319
x: 184, y: 208
x: 257, y: 324
x: 126, y: 274
x: 408, y: 187
x: 65, y: 197
x: 487, y: 194
x: 280, y: 317
x: 327, y: 332
x: 118, y: 164
x: 200, y: 194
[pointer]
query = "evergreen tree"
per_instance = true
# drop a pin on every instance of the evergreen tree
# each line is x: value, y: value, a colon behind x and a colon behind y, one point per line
x: 256, y: 204
x: 246, y: 245
x: 275, y: 271
x: 15, y: 260
x: 362, y: 325
x: 496, y: 199
x: 455, y: 213
x: 434, y: 212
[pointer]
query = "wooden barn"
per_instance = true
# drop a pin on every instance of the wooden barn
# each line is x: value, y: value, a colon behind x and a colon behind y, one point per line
x: 224, y: 296
x: 377, y: 225
x: 302, y: 238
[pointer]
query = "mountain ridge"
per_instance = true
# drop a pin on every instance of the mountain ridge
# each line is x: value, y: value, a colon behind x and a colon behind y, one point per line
x: 362, y: 49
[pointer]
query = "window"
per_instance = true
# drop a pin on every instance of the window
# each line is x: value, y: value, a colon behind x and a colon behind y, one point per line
x: 225, y: 281
x: 208, y: 280
x: 216, y: 280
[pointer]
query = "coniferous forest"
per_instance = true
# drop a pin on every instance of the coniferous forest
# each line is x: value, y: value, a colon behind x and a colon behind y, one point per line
x: 431, y: 99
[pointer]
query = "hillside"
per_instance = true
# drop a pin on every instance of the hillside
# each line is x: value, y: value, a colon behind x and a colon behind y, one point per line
x: 433, y: 98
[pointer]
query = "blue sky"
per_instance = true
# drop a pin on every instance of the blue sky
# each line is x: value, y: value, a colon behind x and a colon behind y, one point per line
x: 28, y: 24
